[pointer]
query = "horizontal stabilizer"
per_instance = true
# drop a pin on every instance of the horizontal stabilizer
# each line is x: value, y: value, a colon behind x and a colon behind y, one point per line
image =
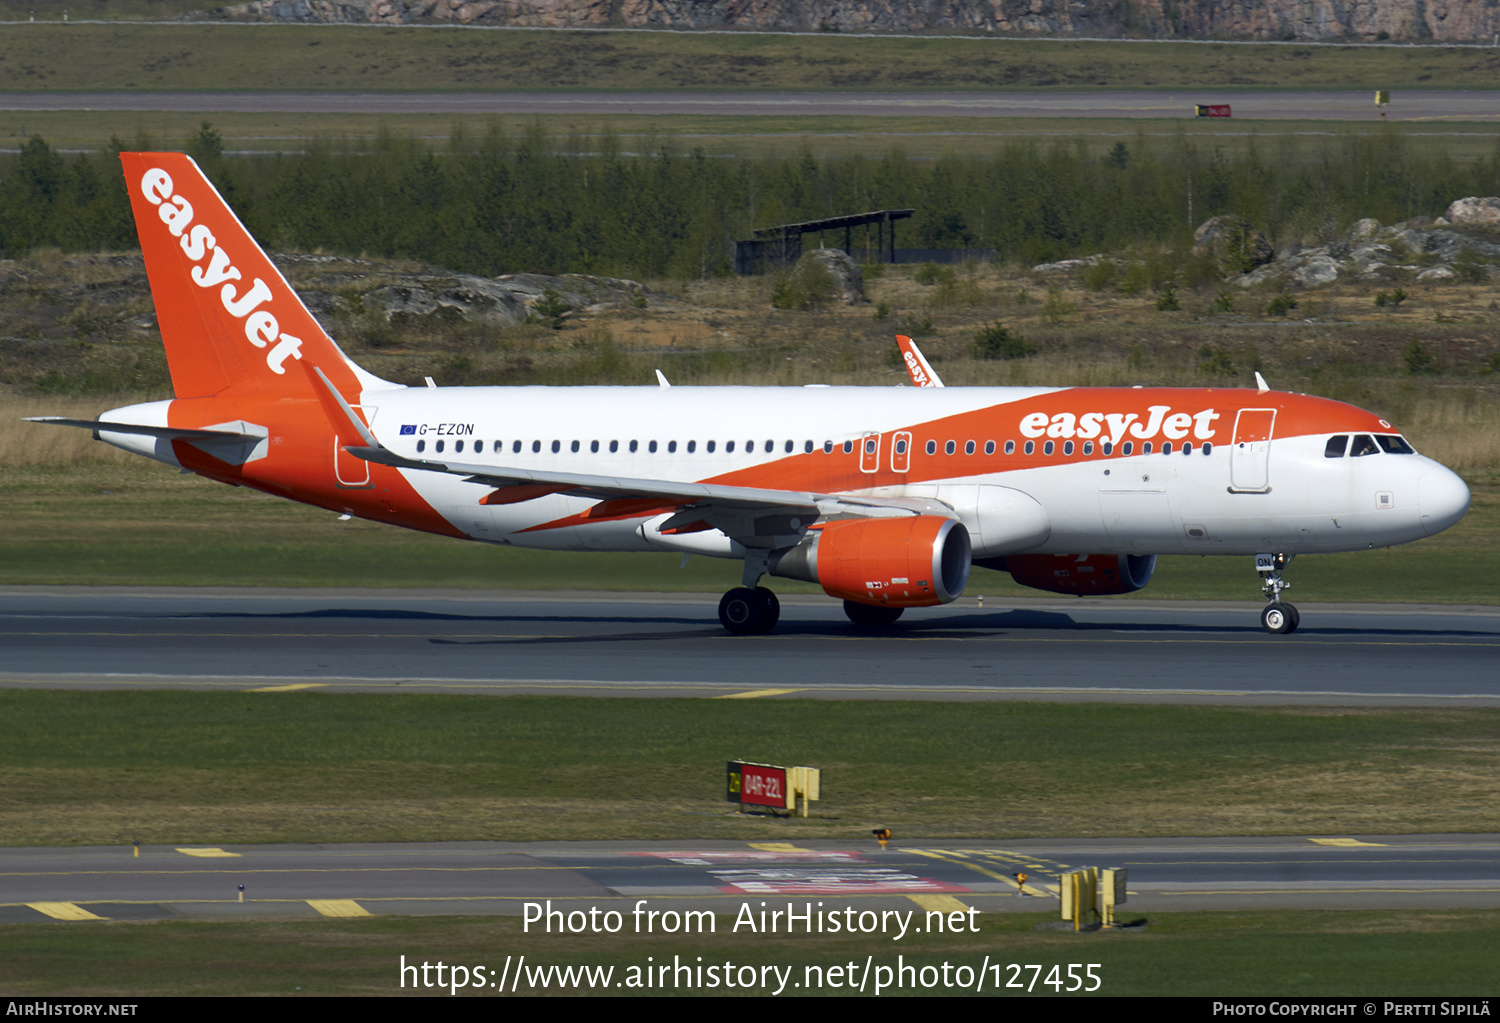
x: 162, y: 432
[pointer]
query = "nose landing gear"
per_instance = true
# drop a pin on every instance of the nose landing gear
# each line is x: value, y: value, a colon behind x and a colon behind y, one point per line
x: 1277, y: 616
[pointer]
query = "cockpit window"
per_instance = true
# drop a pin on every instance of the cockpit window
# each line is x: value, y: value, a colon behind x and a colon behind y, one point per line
x: 1394, y: 444
x: 1363, y: 444
x: 1335, y: 446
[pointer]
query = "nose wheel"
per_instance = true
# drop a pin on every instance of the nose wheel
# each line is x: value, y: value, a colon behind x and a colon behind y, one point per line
x: 1277, y: 616
x: 1280, y: 618
x: 749, y: 612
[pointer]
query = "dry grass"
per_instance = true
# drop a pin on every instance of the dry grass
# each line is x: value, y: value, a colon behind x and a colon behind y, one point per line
x: 34, y: 444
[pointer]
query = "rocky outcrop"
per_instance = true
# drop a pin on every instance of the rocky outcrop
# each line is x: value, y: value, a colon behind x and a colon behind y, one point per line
x: 1234, y: 242
x: 1368, y: 20
x: 844, y: 271
x: 1415, y: 250
x: 498, y: 301
x: 1420, y: 249
x: 1473, y: 210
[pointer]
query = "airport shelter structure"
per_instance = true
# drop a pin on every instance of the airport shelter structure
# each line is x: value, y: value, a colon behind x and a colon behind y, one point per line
x: 876, y: 243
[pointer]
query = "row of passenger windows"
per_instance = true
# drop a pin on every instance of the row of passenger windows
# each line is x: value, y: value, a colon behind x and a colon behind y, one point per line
x: 1050, y: 447
x: 516, y: 446
x: 1365, y: 444
x: 871, y: 447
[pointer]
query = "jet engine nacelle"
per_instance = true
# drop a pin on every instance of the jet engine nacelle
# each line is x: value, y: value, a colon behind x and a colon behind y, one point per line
x: 1083, y: 575
x: 910, y: 561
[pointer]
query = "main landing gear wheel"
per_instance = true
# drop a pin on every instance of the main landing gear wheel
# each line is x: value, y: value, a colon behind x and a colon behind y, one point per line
x: 871, y: 615
x: 1280, y: 618
x: 747, y: 612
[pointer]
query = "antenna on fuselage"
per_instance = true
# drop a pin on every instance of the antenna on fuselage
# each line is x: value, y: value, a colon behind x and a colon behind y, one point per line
x: 1260, y: 383
x: 661, y: 378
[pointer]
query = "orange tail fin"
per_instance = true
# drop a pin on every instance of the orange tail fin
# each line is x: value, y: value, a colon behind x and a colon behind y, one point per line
x: 228, y: 319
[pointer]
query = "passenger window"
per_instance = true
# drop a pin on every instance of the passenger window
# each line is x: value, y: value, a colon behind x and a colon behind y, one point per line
x: 594, y: 446
x: 1030, y: 447
x: 1394, y: 444
x: 792, y: 446
x: 1208, y: 448
x: 750, y: 447
x: 827, y: 447
x: 1363, y: 444
x: 634, y: 446
x: 575, y: 447
x: 870, y: 445
x: 969, y: 448
x: 932, y: 447
x: 710, y: 447
x: 989, y: 447
x: 1187, y: 448
x: 901, y: 447
x: 1108, y: 448
x: 729, y: 447
x: 808, y: 449
x: 536, y: 447
x: 1166, y: 448
x: 1047, y: 448
x: 1146, y: 448
x: 651, y: 447
x: 439, y: 446
x: 1336, y: 446
x: 1088, y: 447
x: 692, y: 446
x: 1127, y: 447
x: 949, y: 448
x: 421, y: 446
x: 1067, y: 447
x: 556, y: 446
x: 614, y: 446
x: 1010, y: 447
x: 458, y: 446
x: 671, y: 447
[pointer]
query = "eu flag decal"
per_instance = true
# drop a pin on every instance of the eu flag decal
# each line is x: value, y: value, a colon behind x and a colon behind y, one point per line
x: 407, y: 431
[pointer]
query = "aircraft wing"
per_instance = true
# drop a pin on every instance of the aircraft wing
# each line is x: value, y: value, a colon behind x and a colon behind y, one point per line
x: 530, y: 483
x: 576, y: 484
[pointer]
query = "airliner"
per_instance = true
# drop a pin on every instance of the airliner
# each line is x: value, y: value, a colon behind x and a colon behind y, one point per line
x: 884, y: 497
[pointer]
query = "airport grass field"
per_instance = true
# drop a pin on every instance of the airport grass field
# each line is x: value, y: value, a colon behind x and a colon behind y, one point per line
x: 110, y: 768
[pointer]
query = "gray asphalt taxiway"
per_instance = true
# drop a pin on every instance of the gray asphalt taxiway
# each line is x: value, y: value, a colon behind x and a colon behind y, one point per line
x: 485, y: 878
x: 672, y: 645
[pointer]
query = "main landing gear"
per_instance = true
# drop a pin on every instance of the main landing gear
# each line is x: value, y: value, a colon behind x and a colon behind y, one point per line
x: 1277, y: 616
x: 748, y: 612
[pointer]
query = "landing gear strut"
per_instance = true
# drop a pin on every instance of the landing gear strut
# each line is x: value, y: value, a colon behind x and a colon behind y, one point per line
x: 748, y: 612
x: 1277, y: 616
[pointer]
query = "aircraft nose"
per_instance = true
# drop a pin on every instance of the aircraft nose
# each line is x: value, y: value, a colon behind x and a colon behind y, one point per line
x: 1442, y: 498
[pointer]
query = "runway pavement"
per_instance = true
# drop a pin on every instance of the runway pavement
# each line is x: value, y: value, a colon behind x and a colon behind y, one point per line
x: 1324, y: 105
x: 655, y: 645
x: 484, y: 878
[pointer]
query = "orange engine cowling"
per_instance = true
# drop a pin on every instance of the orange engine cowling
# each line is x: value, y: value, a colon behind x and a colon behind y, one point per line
x: 1084, y: 575
x: 911, y: 561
